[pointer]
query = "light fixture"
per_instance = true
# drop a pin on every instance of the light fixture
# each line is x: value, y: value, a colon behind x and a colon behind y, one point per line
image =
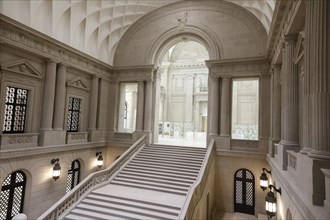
x: 99, y: 161
x: 264, y: 179
x: 271, y: 201
x: 56, y: 168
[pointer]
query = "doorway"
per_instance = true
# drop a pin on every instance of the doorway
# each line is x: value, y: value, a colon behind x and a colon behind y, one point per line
x: 244, y: 199
x: 182, y: 96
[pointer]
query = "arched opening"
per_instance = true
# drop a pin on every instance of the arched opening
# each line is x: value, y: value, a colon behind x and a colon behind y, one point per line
x: 182, y: 94
x: 73, y: 176
x: 12, y: 195
x: 244, y: 195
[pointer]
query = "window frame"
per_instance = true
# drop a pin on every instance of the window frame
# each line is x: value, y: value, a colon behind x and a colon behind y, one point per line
x: 80, y: 118
x: 247, y: 78
x: 73, y: 172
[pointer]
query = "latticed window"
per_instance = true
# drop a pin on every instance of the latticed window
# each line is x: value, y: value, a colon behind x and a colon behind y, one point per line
x: 73, y: 176
x: 244, y: 191
x: 73, y: 114
x: 15, y: 110
x: 12, y: 195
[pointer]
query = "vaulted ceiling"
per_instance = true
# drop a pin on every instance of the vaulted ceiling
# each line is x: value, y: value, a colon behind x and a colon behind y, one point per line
x: 96, y: 26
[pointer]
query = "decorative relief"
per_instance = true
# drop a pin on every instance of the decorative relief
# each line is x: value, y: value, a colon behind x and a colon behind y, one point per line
x: 292, y: 160
x: 10, y: 141
x: 77, y: 137
x: 21, y: 67
x: 79, y: 83
x: 244, y: 144
x: 182, y: 21
x: 14, y: 35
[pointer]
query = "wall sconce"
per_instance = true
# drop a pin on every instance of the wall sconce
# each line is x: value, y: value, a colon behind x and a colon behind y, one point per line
x: 264, y: 179
x: 271, y: 201
x: 56, y: 168
x: 99, y: 161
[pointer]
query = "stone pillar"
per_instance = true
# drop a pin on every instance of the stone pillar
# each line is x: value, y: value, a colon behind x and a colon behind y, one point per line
x: 319, y: 65
x: 60, y: 98
x: 48, y: 104
x: 264, y: 112
x: 148, y: 106
x: 214, y: 106
x: 140, y: 107
x: 93, y: 104
x: 290, y: 95
x: 275, y: 121
x: 189, y: 87
x: 225, y: 107
x: 225, y: 116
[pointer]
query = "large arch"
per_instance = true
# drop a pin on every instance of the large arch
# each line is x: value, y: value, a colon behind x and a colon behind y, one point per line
x: 227, y: 30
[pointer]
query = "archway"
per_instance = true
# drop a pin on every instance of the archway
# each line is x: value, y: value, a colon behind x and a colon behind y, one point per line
x: 182, y: 94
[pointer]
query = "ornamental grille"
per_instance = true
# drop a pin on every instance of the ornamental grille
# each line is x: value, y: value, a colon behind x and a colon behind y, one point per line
x: 73, y: 114
x: 244, y: 191
x: 15, y: 110
x: 12, y: 195
x: 73, y: 176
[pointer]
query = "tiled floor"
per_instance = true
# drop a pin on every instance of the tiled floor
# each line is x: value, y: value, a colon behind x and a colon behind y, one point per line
x: 233, y: 216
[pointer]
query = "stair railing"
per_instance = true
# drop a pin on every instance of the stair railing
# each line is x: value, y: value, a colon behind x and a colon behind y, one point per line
x: 92, y: 181
x: 196, y: 190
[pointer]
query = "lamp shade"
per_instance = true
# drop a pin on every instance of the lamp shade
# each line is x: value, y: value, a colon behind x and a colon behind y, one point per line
x: 56, y: 169
x: 99, y: 161
x: 263, y: 181
x: 271, y: 203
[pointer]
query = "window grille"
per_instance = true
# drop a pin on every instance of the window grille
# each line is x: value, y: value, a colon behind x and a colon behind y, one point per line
x: 15, y: 110
x: 244, y: 192
x: 12, y: 195
x: 73, y: 176
x: 73, y: 114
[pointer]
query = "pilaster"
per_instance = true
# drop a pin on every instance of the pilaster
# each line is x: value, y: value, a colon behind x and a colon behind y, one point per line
x: 140, y: 107
x: 214, y: 106
x: 225, y: 111
x: 93, y: 105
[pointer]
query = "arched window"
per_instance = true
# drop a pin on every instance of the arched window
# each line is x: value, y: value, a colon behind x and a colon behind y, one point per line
x: 73, y: 176
x: 244, y: 199
x: 12, y: 195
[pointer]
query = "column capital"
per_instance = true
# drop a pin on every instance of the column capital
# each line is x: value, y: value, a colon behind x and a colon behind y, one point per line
x: 51, y: 62
x: 225, y: 76
x: 277, y: 67
x: 289, y: 39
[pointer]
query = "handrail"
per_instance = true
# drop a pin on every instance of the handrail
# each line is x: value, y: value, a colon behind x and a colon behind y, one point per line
x: 196, y: 190
x: 90, y: 182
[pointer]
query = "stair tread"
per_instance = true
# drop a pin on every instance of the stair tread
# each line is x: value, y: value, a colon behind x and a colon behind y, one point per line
x: 164, y: 170
x: 169, y: 154
x: 175, y: 162
x: 160, y: 189
x: 125, y: 208
x: 153, y: 172
x: 147, y: 183
x: 152, y: 179
x: 159, y: 176
x: 159, y: 207
x: 168, y: 166
x: 96, y: 215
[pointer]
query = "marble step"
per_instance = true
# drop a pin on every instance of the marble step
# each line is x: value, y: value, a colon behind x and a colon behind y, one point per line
x: 149, y: 172
x: 167, y: 161
x: 161, y: 208
x: 165, y: 154
x: 159, y: 176
x: 181, y: 192
x: 176, y: 149
x: 170, y: 157
x: 167, y: 166
x: 153, y: 184
x: 152, y: 180
x: 161, y: 170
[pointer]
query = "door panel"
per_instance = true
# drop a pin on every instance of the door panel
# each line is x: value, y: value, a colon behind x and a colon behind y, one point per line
x: 244, y: 192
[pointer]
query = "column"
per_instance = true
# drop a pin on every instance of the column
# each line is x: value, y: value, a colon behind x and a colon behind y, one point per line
x: 148, y: 106
x: 214, y: 106
x: 93, y: 103
x: 60, y: 96
x: 318, y: 47
x: 290, y: 95
x: 140, y: 107
x: 225, y: 107
x: 264, y: 111
x: 48, y: 96
x: 276, y: 104
x: 189, y: 87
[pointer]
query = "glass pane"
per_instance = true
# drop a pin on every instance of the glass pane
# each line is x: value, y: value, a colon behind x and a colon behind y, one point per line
x: 245, y: 109
x: 128, y: 105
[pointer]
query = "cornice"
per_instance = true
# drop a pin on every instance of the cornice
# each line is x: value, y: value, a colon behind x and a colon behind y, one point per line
x: 238, y: 67
x: 134, y: 73
x: 18, y: 35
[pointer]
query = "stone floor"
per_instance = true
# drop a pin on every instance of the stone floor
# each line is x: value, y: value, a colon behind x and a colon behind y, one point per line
x: 234, y: 216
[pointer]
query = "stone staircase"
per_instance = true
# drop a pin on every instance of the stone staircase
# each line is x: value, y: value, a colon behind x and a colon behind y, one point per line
x: 153, y: 185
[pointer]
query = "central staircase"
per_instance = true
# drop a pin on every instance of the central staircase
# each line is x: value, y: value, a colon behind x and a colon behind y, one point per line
x: 153, y: 185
